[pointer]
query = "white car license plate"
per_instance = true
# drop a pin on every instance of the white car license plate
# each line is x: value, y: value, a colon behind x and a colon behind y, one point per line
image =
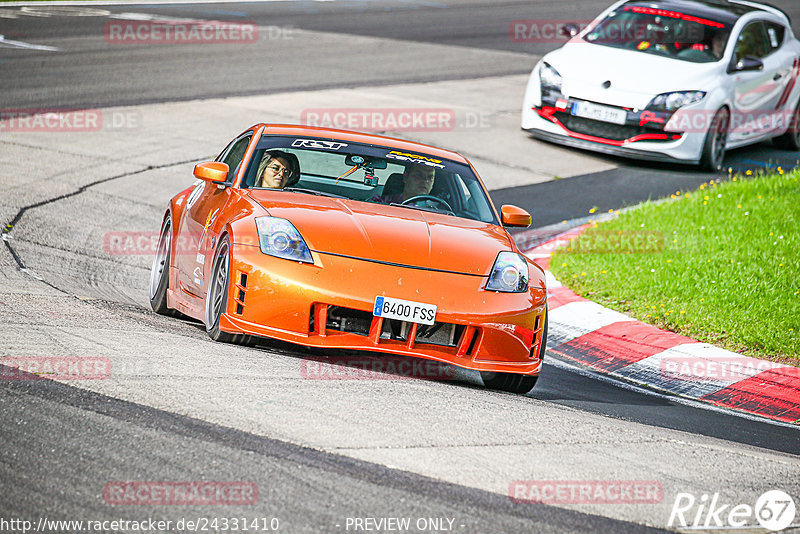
x: 597, y: 112
x: 404, y: 310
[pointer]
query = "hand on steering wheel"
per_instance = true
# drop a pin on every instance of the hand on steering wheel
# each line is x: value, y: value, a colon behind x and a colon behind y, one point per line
x: 429, y: 197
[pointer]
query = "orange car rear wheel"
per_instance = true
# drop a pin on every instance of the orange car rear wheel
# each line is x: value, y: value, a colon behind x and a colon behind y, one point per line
x: 159, y: 275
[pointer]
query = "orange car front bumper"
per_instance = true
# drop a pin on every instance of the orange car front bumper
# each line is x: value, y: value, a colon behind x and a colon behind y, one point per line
x: 304, y: 303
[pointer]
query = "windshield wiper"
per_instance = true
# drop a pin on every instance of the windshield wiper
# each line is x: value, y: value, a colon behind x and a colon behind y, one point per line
x: 312, y: 192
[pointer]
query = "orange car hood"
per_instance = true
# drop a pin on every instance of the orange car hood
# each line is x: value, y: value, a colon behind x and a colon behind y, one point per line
x: 392, y: 234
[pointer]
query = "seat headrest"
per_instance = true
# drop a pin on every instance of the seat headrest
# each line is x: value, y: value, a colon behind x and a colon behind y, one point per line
x: 393, y: 185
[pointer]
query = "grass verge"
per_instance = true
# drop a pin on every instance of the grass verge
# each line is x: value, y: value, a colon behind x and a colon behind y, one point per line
x: 720, y: 264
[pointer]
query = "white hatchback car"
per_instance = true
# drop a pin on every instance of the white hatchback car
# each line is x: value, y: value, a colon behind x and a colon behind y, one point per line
x: 670, y: 80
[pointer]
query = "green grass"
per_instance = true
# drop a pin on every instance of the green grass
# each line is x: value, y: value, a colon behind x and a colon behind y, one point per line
x: 720, y: 264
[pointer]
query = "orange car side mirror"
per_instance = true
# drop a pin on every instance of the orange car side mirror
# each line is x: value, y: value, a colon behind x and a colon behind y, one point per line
x: 212, y: 171
x: 514, y: 216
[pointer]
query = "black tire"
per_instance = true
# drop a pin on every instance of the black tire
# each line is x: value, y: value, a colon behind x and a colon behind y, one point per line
x: 716, y: 141
x: 159, y: 273
x: 791, y: 139
x: 515, y: 383
x: 543, y: 346
x: 217, y: 296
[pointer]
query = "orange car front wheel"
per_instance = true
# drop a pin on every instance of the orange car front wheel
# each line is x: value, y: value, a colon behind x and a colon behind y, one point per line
x: 516, y: 383
x: 217, y: 296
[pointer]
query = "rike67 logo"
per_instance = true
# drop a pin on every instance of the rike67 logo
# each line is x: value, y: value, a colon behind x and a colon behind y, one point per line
x: 774, y: 510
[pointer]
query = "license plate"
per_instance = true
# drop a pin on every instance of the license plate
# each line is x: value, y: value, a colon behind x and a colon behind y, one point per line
x: 597, y: 112
x: 404, y: 310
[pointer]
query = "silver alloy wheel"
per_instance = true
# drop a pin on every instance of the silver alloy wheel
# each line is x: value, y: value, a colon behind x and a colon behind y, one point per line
x: 218, y: 288
x: 162, y: 257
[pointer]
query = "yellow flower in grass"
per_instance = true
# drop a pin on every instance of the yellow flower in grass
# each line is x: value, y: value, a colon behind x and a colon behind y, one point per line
x: 592, y: 210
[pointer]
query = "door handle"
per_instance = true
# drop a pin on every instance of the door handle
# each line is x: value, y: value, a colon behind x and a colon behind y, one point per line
x: 777, y: 77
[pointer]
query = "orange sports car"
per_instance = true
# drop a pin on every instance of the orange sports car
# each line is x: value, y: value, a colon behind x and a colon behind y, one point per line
x: 329, y: 238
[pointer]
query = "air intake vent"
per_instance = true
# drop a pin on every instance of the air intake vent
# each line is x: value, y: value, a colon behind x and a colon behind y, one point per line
x: 348, y: 320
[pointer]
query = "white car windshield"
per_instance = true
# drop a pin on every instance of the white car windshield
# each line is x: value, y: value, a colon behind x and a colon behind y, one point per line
x: 663, y: 32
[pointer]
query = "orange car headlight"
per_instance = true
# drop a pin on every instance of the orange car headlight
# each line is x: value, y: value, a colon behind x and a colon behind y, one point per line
x: 279, y: 238
x: 509, y: 274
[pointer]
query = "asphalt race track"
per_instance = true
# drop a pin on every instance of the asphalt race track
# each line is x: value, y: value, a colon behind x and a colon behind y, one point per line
x: 321, y: 453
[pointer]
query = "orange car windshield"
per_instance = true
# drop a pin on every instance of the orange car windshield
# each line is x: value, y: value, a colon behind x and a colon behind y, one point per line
x: 369, y: 173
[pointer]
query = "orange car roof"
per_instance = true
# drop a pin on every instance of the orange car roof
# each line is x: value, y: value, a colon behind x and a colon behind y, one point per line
x: 357, y: 137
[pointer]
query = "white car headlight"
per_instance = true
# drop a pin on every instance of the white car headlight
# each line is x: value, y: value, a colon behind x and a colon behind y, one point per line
x: 675, y: 101
x: 279, y: 238
x: 550, y: 78
x: 509, y: 274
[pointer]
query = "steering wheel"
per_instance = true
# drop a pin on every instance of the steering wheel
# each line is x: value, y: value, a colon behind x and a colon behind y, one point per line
x: 429, y: 197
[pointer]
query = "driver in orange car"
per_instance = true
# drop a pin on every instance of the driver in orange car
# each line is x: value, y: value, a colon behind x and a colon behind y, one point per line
x: 278, y: 169
x: 417, y: 180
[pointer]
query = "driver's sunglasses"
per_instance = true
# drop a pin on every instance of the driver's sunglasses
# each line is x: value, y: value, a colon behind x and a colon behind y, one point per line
x: 276, y: 170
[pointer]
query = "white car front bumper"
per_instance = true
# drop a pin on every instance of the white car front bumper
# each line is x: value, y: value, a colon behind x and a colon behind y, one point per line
x: 637, y: 139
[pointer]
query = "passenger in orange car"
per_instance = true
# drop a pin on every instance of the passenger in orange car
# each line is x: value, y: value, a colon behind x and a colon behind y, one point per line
x: 277, y: 170
x: 417, y: 180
